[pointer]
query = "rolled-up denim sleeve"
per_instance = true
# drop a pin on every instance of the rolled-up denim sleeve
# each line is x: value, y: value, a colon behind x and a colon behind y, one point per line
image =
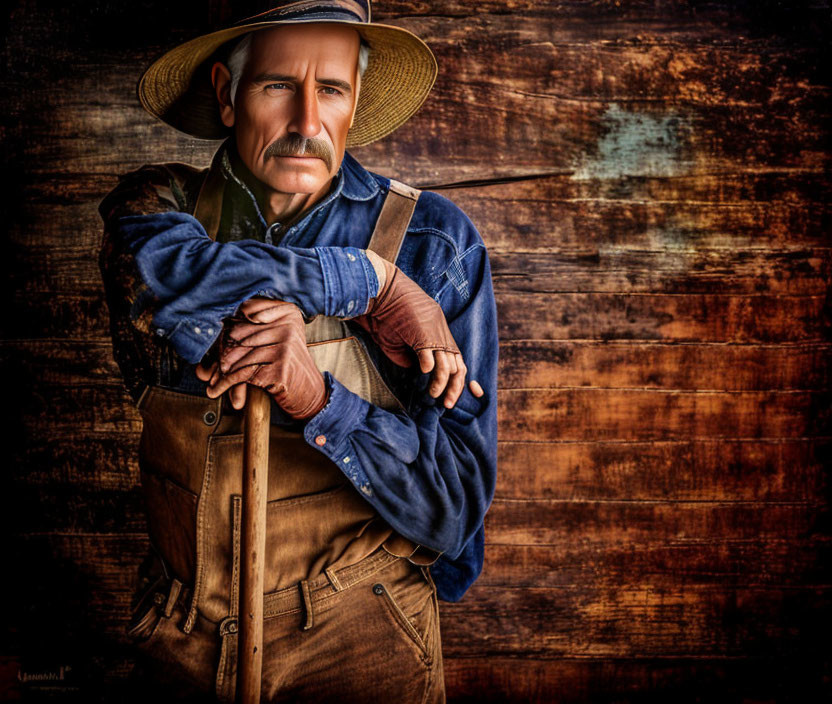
x: 430, y: 471
x: 193, y: 282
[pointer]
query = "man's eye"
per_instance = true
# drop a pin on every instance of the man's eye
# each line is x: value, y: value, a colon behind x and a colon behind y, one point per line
x: 277, y: 86
x: 329, y: 90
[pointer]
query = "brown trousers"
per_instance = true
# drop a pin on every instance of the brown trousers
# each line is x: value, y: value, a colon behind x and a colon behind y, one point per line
x: 351, y: 609
x: 365, y: 633
x: 351, y: 613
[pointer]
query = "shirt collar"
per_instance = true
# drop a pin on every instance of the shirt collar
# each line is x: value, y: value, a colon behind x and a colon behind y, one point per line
x: 359, y: 184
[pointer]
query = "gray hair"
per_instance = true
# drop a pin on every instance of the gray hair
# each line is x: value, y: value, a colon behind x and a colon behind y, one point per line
x: 238, y: 59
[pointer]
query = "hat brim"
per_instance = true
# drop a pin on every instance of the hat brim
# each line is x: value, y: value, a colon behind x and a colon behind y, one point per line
x: 177, y: 88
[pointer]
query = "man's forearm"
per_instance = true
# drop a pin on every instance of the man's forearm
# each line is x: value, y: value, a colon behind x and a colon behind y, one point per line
x: 196, y: 282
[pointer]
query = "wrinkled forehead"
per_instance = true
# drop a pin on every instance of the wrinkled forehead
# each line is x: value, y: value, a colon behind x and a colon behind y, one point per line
x: 330, y: 47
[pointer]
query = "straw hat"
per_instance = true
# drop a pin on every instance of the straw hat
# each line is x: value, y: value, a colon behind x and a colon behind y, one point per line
x: 401, y: 71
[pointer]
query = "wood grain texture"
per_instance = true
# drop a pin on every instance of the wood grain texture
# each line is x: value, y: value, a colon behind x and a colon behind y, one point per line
x: 638, y: 364
x: 704, y: 469
x: 600, y: 414
x: 253, y: 545
x: 652, y: 181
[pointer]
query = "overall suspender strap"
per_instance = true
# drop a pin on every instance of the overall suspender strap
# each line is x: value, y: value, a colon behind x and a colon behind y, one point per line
x: 393, y: 220
x: 208, y: 209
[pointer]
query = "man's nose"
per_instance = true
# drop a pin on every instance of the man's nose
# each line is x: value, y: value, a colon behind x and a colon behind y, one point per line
x: 305, y: 118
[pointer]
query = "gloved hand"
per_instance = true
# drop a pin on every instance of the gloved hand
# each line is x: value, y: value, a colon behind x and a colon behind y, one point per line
x: 402, y: 317
x: 272, y: 355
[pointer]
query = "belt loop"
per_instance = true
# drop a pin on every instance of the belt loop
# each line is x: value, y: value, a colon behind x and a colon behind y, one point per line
x: 307, y: 603
x: 333, y: 579
x: 173, y: 595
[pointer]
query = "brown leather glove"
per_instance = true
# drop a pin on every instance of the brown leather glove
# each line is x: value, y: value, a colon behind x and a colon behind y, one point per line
x: 402, y: 317
x: 272, y: 356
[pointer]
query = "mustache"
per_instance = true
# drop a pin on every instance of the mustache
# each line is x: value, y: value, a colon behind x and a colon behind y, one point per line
x: 293, y: 144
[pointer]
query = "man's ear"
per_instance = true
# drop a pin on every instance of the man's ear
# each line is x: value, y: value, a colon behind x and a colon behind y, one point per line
x: 357, y: 92
x: 221, y: 78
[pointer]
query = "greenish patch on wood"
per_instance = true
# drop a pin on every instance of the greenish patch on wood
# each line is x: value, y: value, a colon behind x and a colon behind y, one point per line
x: 638, y: 144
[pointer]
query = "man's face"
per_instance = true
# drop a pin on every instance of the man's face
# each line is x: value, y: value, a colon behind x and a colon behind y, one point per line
x: 300, y: 82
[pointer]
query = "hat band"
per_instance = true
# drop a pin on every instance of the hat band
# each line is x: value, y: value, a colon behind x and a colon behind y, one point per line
x: 338, y: 10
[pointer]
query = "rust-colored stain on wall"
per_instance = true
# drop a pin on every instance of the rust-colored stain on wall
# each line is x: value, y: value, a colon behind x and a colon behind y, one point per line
x: 652, y: 181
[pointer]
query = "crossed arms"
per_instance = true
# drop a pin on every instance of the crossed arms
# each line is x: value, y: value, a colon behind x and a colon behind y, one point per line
x: 430, y: 470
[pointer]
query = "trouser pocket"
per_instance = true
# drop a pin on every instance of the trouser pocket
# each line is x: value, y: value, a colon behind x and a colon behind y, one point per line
x: 401, y: 618
x: 363, y: 644
x: 148, y: 613
x: 409, y: 601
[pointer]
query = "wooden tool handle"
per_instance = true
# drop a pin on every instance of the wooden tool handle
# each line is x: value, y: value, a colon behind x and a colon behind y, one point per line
x: 253, y: 537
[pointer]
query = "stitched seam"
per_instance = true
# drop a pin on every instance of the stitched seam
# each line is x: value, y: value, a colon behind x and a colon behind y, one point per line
x: 428, y: 681
x: 277, y: 614
x: 405, y: 624
x: 308, y: 498
x: 200, y: 539
x: 460, y: 258
x: 236, y: 517
x: 327, y: 593
x: 382, y: 564
x: 434, y: 231
x: 333, y: 578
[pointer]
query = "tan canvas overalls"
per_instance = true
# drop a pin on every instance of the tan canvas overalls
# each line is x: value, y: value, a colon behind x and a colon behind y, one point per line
x: 351, y: 612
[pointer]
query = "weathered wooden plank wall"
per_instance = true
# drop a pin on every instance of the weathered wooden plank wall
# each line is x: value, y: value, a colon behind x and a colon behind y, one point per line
x: 661, y: 254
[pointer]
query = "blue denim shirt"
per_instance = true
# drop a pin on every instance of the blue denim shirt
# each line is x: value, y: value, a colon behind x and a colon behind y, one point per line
x: 430, y: 472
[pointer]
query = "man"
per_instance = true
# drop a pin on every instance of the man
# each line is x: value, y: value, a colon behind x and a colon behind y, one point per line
x: 265, y: 269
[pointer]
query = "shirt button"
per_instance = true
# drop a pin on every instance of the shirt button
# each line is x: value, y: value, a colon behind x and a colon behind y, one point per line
x: 320, y: 440
x: 351, y: 257
x: 346, y: 460
x: 197, y: 331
